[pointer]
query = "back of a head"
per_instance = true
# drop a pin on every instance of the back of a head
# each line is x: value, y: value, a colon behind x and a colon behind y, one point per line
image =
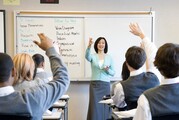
x: 167, y: 60
x: 25, y: 66
x: 6, y: 66
x: 135, y: 57
x: 38, y: 59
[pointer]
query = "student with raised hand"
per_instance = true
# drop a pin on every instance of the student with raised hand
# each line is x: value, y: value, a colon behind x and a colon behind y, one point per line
x: 128, y: 91
x: 36, y: 100
x: 102, y: 70
x: 161, y: 103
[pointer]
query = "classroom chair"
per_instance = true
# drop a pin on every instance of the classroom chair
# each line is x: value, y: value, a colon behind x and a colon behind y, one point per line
x: 14, y: 117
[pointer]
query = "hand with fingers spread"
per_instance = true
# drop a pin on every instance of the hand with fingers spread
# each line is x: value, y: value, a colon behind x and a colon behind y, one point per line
x: 136, y: 30
x: 44, y: 43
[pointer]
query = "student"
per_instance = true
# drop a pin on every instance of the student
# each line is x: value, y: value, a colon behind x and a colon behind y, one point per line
x: 124, y: 73
x: 102, y: 69
x: 33, y: 101
x: 128, y: 91
x: 162, y: 100
x: 24, y: 65
x: 41, y: 75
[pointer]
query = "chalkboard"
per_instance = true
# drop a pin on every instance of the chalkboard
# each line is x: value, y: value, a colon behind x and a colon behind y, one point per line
x: 71, y: 31
x: 2, y: 31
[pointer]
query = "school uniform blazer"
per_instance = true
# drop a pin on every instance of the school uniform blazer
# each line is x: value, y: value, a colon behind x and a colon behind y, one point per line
x: 36, y: 100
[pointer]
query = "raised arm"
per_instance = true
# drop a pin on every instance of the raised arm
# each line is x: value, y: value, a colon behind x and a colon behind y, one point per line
x: 88, y: 50
x: 47, y: 94
x: 148, y: 46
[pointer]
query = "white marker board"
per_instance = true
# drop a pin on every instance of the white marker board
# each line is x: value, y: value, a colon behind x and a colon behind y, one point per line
x: 71, y: 31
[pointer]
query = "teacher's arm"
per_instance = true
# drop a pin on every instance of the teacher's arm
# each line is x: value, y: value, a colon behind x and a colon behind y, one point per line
x: 88, y: 50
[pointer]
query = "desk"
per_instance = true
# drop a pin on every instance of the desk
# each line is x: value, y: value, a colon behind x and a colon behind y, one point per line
x: 62, y: 103
x: 54, y: 116
x: 123, y: 115
x: 66, y: 99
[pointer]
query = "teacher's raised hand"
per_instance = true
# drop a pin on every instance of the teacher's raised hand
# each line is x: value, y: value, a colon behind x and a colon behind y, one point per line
x: 90, y: 42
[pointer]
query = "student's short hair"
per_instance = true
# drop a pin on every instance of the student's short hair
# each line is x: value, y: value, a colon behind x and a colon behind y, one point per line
x: 96, y: 44
x: 6, y: 66
x: 25, y: 66
x: 135, y: 57
x: 38, y: 58
x: 167, y: 60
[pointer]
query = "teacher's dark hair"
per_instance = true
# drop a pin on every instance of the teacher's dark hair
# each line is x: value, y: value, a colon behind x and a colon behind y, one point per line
x: 167, y: 60
x: 96, y: 44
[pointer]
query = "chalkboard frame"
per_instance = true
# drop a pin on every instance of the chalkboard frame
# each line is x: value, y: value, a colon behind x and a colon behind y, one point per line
x: 3, y: 30
x: 83, y: 14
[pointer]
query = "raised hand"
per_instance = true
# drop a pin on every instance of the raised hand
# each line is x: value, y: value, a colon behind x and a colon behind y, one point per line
x: 90, y: 42
x: 44, y: 43
x: 136, y: 30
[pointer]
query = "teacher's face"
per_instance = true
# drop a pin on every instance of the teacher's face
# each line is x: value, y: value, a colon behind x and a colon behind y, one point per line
x: 101, y: 45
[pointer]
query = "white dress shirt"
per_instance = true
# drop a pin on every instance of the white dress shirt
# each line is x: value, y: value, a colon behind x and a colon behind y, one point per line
x: 6, y: 90
x: 143, y: 110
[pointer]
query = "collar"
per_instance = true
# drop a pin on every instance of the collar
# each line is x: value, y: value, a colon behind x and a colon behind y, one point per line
x: 6, y: 90
x: 136, y: 72
x: 170, y: 80
x: 40, y: 70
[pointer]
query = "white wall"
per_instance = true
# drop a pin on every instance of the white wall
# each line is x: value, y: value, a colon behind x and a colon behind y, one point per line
x: 166, y: 30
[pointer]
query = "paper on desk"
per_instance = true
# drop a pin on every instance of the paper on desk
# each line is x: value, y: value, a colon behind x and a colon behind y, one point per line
x: 108, y: 101
x: 65, y: 96
x: 126, y: 114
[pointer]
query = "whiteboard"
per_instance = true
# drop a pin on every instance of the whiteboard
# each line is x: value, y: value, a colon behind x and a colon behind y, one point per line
x: 116, y: 32
x: 2, y: 31
x: 71, y: 31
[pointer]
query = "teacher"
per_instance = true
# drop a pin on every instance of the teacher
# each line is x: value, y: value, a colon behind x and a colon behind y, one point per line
x: 102, y: 70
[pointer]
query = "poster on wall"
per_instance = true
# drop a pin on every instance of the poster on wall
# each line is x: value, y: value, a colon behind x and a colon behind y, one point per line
x: 2, y: 31
x: 49, y: 1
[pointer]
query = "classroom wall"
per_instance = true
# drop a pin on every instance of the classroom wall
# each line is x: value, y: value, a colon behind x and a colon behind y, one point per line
x: 166, y: 30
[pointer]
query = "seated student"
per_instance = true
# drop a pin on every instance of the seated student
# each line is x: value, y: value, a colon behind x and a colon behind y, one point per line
x: 124, y: 73
x: 33, y: 101
x: 24, y: 65
x: 128, y: 91
x: 40, y: 72
x: 162, y: 100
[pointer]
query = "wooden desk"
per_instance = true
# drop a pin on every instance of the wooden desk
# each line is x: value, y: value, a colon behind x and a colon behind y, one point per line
x: 54, y: 116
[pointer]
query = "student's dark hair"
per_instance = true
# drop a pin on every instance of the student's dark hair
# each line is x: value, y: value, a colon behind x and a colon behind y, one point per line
x: 167, y: 60
x: 38, y: 58
x: 125, y: 71
x: 135, y: 57
x: 6, y: 65
x: 96, y: 44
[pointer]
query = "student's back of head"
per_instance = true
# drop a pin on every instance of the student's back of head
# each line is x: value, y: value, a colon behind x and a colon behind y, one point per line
x: 167, y: 60
x: 38, y: 59
x: 6, y: 66
x: 24, y: 66
x: 135, y: 57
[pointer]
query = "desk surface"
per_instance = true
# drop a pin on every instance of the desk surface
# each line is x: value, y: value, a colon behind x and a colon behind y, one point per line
x: 60, y: 104
x: 54, y: 115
